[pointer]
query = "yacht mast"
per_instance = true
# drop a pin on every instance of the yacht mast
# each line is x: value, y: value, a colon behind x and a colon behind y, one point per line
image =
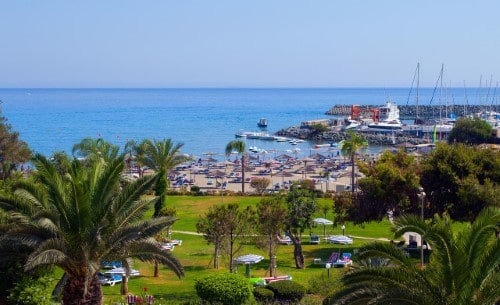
x: 441, y: 93
x: 466, y: 101
x: 418, y: 82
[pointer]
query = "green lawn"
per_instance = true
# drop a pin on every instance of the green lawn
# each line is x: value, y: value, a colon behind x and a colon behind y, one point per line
x: 196, y: 255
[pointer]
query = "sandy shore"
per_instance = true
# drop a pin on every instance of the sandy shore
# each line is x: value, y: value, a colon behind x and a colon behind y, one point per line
x: 213, y: 177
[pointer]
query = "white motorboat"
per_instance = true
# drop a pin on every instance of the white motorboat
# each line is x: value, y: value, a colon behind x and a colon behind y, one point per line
x: 389, y: 117
x: 352, y: 124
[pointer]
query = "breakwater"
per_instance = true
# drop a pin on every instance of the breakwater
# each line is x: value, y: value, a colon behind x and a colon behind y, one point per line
x: 409, y: 112
x: 336, y: 135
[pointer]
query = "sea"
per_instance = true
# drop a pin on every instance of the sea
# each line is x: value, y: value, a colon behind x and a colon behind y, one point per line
x: 203, y: 119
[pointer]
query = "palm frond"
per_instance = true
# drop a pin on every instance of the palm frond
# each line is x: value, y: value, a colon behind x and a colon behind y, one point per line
x: 149, y: 251
x: 50, y: 252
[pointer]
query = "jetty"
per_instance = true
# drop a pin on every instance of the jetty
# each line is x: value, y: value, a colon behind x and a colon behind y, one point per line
x: 335, y: 135
x: 409, y: 112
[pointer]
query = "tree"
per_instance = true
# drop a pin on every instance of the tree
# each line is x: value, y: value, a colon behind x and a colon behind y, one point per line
x: 390, y: 184
x: 349, y: 148
x: 62, y: 162
x: 301, y: 205
x: 13, y: 151
x: 461, y: 180
x: 240, y: 148
x: 470, y: 131
x: 221, y: 226
x: 260, y: 184
x: 160, y: 156
x: 77, y: 220
x: 238, y: 224
x: 463, y: 268
x: 93, y: 150
x: 271, y: 218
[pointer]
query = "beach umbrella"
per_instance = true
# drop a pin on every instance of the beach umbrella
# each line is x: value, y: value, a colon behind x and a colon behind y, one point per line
x: 324, y: 222
x: 283, y: 157
x: 318, y: 156
x: 216, y: 174
x: 248, y: 260
x: 283, y: 174
x: 209, y: 160
x: 305, y: 160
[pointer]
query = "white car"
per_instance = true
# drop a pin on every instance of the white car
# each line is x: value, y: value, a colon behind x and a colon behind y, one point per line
x: 340, y: 239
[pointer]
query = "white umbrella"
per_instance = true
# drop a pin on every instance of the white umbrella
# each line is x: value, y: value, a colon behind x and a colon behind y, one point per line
x: 324, y: 222
x: 247, y: 260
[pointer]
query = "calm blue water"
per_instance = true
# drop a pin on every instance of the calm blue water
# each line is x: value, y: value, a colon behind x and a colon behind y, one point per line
x: 204, y: 120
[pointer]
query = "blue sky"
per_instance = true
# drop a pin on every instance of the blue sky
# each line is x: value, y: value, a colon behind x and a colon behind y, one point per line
x: 258, y: 43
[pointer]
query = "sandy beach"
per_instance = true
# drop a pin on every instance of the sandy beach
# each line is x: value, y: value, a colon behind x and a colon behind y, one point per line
x: 329, y: 174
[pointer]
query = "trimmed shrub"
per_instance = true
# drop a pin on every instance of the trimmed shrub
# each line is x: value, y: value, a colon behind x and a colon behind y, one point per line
x: 287, y: 291
x: 224, y: 288
x: 262, y: 294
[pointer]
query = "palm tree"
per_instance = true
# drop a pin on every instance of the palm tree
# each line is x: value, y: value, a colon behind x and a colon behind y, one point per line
x: 95, y: 149
x: 349, y: 148
x: 462, y: 269
x: 239, y: 147
x: 77, y: 220
x: 161, y: 156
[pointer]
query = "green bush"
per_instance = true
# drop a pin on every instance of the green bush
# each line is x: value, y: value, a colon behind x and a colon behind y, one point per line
x: 223, y: 288
x: 195, y: 191
x: 31, y: 291
x: 287, y: 291
x: 262, y: 294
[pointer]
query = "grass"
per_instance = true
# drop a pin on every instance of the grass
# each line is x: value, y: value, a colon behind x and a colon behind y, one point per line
x: 196, y: 255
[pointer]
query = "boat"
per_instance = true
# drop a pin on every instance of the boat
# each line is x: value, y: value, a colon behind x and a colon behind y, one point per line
x: 242, y: 134
x: 389, y: 117
x: 250, y: 134
x: 267, y: 137
x: 351, y: 124
x: 281, y: 139
x: 333, y: 144
x: 262, y: 123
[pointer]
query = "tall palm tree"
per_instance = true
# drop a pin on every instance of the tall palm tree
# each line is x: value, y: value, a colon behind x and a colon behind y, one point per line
x: 239, y: 147
x: 161, y: 156
x: 349, y: 148
x: 77, y: 220
x: 462, y: 269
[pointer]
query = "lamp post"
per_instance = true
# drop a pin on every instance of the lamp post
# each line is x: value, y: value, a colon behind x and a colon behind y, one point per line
x: 421, y: 196
x: 343, y: 229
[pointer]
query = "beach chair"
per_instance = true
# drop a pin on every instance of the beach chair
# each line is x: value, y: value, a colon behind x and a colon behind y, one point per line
x: 314, y: 239
x: 111, y: 265
x: 284, y: 240
x: 333, y: 258
x: 344, y: 261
